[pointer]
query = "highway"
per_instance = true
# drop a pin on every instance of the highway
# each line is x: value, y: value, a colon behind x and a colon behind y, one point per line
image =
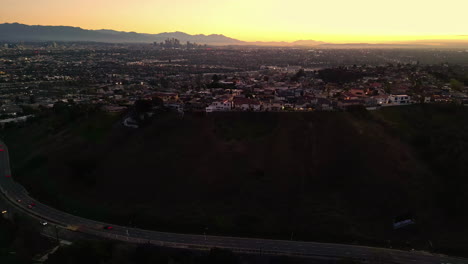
x: 14, y: 192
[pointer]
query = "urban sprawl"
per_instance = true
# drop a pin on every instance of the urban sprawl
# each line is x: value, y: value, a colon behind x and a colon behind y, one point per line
x: 196, y: 78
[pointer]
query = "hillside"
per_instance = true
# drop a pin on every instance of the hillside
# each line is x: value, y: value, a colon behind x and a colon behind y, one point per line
x: 337, y: 177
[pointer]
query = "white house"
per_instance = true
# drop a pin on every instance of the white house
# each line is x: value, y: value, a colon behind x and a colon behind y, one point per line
x: 219, y: 106
x: 401, y: 99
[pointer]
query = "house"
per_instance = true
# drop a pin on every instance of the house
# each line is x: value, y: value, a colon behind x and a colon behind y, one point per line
x: 442, y: 99
x: 302, y: 104
x: 166, y: 96
x: 345, y: 104
x: 246, y: 104
x: 376, y: 85
x: 236, y: 92
x: 11, y: 108
x: 176, y: 106
x: 274, y: 106
x: 194, y: 106
x: 357, y: 92
x: 219, y: 106
x: 400, y: 99
x: 322, y: 104
x: 380, y: 99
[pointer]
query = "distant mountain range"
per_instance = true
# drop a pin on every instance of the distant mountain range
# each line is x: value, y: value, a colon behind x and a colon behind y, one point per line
x: 21, y: 32
x: 15, y: 32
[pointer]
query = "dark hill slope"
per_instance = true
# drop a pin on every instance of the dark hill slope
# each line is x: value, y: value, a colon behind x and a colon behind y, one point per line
x: 340, y: 177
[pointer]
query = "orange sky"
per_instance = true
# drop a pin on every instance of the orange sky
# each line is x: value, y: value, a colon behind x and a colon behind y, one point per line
x: 255, y: 20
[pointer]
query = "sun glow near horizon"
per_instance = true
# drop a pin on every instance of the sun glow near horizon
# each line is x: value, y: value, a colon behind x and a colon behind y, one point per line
x: 336, y: 21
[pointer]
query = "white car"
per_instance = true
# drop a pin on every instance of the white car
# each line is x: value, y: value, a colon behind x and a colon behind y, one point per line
x: 44, y: 223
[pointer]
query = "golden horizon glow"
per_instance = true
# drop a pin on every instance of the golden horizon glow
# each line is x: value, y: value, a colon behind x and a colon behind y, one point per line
x: 336, y: 21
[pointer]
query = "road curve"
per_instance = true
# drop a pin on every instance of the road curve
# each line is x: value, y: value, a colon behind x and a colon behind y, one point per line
x: 15, y: 192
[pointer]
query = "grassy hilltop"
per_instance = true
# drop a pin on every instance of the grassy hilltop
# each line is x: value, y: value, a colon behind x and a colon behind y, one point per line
x: 322, y: 176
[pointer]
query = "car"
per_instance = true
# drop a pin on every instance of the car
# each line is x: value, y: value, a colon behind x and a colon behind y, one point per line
x: 44, y: 223
x: 8, y: 176
x: 108, y: 227
x: 31, y: 205
x: 2, y: 149
x: 4, y: 211
x: 18, y: 200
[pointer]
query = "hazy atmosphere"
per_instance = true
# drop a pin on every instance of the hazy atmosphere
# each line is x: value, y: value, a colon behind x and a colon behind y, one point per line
x: 263, y: 20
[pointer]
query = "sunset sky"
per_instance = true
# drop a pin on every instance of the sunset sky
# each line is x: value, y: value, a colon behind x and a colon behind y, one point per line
x: 255, y: 20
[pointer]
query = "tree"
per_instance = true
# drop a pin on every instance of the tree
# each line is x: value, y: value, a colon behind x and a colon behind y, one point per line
x: 143, y: 106
x: 215, y: 78
x: 8, y: 231
x: 27, y: 110
x: 28, y: 240
x: 164, y: 82
x: 92, y: 252
x: 32, y: 99
x: 145, y: 254
x: 300, y: 73
x: 157, y: 101
x: 60, y: 107
x: 456, y: 85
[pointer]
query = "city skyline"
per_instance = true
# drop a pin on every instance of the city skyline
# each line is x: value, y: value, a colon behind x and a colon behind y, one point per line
x: 332, y: 21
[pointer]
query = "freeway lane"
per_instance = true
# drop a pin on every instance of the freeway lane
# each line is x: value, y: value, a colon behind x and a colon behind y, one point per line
x: 14, y: 192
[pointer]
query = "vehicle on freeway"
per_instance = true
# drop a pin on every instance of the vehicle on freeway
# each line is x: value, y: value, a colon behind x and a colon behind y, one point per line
x: 8, y: 176
x: 31, y: 205
x: 72, y: 227
x: 18, y: 200
x: 43, y: 223
x: 4, y: 211
x: 108, y: 227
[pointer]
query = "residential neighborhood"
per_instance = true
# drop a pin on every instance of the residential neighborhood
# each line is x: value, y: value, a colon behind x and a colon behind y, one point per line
x: 197, y: 80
